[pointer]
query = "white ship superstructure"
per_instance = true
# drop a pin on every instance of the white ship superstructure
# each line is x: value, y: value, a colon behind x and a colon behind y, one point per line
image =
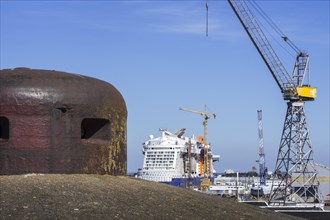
x: 171, y: 156
x: 229, y: 185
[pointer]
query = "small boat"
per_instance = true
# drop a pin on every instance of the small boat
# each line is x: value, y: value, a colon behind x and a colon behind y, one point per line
x: 258, y: 189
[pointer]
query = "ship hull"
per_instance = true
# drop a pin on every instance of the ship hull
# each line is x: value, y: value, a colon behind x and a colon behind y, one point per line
x: 194, y: 182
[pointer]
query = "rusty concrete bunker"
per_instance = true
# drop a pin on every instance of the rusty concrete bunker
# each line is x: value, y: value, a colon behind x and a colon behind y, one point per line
x: 57, y: 122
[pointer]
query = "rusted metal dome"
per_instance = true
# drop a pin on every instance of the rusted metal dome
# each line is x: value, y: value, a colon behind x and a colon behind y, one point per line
x: 57, y: 122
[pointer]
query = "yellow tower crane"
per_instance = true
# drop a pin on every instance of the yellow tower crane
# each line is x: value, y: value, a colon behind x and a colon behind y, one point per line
x: 206, y: 181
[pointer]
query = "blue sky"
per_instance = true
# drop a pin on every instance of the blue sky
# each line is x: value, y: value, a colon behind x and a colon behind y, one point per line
x: 157, y: 55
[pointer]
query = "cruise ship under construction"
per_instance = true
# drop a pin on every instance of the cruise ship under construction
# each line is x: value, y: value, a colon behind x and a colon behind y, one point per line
x: 175, y: 159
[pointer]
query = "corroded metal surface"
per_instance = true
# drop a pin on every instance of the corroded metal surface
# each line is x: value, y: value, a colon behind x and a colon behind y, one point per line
x: 56, y: 122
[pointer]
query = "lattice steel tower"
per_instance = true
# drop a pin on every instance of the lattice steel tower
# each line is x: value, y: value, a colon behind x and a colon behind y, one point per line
x: 261, y: 161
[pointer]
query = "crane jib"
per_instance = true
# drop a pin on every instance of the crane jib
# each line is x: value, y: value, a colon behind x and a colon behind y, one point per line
x: 261, y: 43
x: 293, y: 88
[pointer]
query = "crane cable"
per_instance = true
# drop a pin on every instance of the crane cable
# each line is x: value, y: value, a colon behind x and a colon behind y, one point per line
x: 274, y: 26
x: 207, y: 18
x: 273, y: 37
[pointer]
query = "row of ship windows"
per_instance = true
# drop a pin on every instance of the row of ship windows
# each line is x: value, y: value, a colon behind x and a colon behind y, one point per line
x: 159, y: 143
x: 158, y: 174
x: 152, y: 168
x: 160, y: 156
x: 158, y: 165
x: 159, y: 159
x: 171, y: 161
x: 160, y: 152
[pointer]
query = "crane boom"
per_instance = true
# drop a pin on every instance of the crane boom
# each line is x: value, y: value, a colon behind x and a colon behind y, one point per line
x: 205, y: 114
x: 261, y: 43
x: 292, y: 87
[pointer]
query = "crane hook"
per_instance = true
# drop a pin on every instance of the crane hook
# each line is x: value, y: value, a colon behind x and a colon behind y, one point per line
x: 207, y: 18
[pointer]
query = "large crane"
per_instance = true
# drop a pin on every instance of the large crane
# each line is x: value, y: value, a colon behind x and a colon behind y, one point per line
x: 206, y: 117
x: 294, y: 164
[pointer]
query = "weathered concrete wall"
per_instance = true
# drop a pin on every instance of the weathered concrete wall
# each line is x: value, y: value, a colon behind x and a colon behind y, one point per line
x: 56, y: 122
